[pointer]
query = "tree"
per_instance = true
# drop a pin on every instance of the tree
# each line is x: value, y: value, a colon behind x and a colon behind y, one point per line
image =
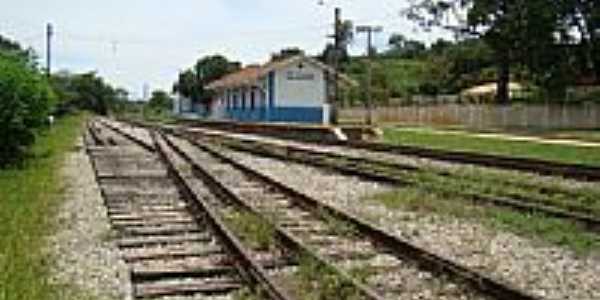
x: 87, y: 91
x: 402, y: 47
x: 458, y: 66
x: 509, y: 27
x: 286, y: 53
x: 440, y: 46
x: 191, y: 82
x: 160, y: 101
x: 583, y: 18
x: 12, y: 49
x: 25, y: 102
x: 329, y: 54
x: 397, y: 41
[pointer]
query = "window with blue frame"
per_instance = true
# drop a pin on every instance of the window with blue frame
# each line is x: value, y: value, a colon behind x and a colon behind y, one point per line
x: 252, y: 100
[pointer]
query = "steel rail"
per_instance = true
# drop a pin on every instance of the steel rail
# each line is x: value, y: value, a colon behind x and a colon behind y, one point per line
x: 396, y: 246
x: 227, y: 195
x: 250, y: 270
x: 412, y: 168
x: 590, y: 222
x: 93, y: 134
x: 531, y: 165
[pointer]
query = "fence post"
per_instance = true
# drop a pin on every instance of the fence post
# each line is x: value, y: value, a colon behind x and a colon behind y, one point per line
x: 565, y: 118
x: 595, y: 109
x: 546, y: 115
x: 457, y: 113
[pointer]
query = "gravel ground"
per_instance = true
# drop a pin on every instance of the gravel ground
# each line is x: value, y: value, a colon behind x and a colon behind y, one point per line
x: 86, y: 258
x: 548, y: 272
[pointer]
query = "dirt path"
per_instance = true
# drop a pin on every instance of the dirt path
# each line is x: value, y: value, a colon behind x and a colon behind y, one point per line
x: 86, y: 260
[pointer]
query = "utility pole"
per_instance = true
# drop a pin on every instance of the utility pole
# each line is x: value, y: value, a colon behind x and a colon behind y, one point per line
x: 337, y: 37
x: 369, y: 30
x: 49, y: 33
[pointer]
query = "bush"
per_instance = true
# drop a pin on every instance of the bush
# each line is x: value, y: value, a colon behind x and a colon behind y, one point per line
x: 25, y: 100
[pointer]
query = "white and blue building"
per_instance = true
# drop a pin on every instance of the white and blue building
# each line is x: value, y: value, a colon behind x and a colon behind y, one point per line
x: 294, y: 89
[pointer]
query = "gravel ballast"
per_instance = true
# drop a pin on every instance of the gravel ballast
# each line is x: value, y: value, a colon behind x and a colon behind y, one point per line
x: 86, y: 259
x: 425, y: 163
x: 547, y: 272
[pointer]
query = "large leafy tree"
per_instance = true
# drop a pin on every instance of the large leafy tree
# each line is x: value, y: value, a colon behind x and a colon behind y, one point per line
x: 516, y: 30
x: 191, y: 82
x: 451, y: 68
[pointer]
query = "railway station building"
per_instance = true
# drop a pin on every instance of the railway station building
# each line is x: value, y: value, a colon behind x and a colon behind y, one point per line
x: 294, y: 89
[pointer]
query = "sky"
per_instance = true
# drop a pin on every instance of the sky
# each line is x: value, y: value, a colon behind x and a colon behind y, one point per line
x: 133, y: 43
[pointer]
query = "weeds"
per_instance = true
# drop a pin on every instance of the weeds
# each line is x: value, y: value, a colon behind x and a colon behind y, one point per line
x: 254, y: 230
x: 337, y: 226
x: 550, y: 230
x: 317, y: 282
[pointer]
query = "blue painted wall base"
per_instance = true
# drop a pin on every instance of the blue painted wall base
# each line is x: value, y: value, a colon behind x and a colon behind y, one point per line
x: 278, y: 114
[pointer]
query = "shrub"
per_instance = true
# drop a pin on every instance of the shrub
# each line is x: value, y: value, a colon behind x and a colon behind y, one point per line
x: 25, y: 100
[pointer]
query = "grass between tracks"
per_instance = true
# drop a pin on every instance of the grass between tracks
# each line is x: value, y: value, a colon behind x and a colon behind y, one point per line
x: 583, y: 199
x: 314, y: 281
x: 29, y: 196
x: 254, y: 231
x: 558, y: 153
x: 537, y: 227
x: 311, y: 280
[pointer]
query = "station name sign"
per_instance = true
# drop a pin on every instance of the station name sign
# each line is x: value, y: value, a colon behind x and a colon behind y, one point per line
x: 300, y: 75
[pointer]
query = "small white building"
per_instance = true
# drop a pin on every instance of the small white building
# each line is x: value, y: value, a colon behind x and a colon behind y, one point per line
x: 294, y: 89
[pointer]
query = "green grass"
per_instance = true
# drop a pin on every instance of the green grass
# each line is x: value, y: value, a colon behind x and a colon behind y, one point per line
x: 315, y: 281
x: 258, y: 233
x: 29, y: 197
x: 558, y: 153
x: 537, y: 227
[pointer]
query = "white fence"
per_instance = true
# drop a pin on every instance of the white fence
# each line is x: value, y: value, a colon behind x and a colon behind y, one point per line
x: 482, y: 116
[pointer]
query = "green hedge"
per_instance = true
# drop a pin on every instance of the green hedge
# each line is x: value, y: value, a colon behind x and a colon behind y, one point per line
x: 25, y: 101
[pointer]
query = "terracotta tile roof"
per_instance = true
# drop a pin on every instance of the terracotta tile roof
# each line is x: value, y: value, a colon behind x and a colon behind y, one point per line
x: 251, y: 74
x: 245, y: 76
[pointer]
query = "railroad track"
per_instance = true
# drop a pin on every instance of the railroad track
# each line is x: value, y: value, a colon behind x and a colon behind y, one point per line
x: 366, y: 155
x: 400, y: 174
x: 543, y: 167
x: 379, y: 265
x: 174, y: 244
x: 530, y: 165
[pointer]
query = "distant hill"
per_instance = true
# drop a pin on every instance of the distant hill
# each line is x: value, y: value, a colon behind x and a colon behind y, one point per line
x: 402, y: 75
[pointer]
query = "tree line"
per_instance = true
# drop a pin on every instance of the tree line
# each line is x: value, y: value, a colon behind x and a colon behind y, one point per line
x: 555, y: 41
x: 28, y: 96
